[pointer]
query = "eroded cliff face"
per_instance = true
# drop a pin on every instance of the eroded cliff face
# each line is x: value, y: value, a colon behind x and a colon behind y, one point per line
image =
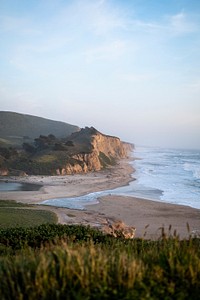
x: 110, y: 146
x: 83, y: 151
x: 83, y: 163
x: 4, y: 172
x: 105, y: 151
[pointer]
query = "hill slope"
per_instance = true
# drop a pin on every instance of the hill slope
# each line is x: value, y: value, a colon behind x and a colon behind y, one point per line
x: 83, y: 151
x: 15, y: 127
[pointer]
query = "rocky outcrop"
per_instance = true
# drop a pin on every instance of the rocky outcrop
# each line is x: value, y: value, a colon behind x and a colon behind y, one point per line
x: 70, y: 169
x: 110, y: 146
x: 89, y: 161
x: 4, y: 172
x: 11, y: 172
x: 119, y: 229
x: 83, y: 151
x: 104, y: 151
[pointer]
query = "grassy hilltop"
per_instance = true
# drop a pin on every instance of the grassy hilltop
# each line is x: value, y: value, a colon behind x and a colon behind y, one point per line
x: 16, y: 128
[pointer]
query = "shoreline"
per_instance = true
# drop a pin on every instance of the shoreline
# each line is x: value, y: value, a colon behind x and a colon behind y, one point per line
x: 133, y: 211
x: 150, y: 216
x: 71, y: 185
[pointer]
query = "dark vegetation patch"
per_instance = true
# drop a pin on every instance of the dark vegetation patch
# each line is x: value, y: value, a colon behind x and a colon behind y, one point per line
x: 12, y: 203
x: 76, y: 262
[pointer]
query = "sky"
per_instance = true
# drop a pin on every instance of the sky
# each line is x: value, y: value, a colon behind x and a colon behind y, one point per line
x: 130, y: 68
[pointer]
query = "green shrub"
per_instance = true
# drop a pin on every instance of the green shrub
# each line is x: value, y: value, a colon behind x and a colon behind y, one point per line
x: 106, y: 160
x: 76, y: 262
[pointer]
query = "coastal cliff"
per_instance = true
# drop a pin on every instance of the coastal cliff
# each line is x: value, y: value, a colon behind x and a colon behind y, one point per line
x: 83, y: 151
x: 103, y: 151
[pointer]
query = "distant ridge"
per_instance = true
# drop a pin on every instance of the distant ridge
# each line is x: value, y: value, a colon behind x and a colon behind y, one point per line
x: 16, y: 125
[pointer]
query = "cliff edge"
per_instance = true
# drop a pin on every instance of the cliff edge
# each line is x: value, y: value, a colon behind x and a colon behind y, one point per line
x: 83, y: 151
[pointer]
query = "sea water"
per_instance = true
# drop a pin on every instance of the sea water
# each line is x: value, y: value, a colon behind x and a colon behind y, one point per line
x: 165, y: 175
x: 173, y: 172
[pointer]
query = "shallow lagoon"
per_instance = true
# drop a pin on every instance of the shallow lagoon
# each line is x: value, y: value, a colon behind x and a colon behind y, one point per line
x: 6, y: 186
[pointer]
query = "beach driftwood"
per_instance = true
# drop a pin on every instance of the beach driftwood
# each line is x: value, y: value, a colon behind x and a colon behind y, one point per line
x: 119, y: 229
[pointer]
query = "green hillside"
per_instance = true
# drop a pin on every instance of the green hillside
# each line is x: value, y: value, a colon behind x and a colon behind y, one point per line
x: 15, y: 128
x: 50, y: 155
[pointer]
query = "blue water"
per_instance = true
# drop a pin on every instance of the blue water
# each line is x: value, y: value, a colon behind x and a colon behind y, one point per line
x: 15, y: 186
x: 176, y: 173
x: 165, y: 175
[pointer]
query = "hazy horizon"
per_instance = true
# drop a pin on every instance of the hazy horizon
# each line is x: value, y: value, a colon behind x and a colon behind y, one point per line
x: 128, y: 68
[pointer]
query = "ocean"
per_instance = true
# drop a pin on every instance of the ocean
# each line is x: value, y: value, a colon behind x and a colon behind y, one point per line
x: 173, y: 174
x: 164, y: 175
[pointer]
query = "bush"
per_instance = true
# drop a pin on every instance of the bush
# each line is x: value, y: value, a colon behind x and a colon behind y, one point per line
x: 77, y: 262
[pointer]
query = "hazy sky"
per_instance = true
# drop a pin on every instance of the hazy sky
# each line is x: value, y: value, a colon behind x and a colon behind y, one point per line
x: 130, y: 68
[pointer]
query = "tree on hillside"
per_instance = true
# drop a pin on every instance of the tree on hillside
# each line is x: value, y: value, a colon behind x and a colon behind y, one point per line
x: 7, y: 153
x: 29, y: 148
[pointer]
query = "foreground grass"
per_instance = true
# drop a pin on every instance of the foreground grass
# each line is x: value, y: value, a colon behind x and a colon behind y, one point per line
x: 76, y: 262
x: 14, y: 214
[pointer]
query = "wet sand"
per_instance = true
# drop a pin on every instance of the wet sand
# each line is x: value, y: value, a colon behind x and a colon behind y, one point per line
x: 154, y: 215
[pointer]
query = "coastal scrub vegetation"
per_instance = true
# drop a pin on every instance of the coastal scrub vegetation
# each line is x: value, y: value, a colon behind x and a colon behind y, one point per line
x: 106, y: 161
x: 76, y: 262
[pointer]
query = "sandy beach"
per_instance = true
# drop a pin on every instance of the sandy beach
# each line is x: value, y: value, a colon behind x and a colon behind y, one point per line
x: 132, y: 211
